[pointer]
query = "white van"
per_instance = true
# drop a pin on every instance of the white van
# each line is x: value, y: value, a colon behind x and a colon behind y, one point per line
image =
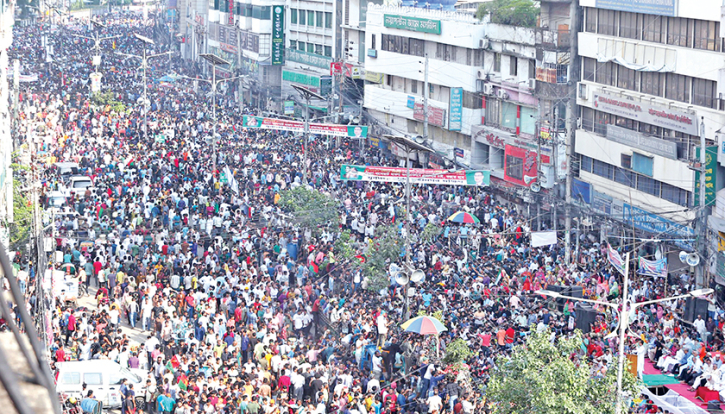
x: 102, y: 376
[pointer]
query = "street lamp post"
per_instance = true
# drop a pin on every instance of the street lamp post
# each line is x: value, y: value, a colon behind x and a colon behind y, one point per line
x: 144, y: 65
x: 97, y: 43
x: 627, y: 307
x: 306, y: 95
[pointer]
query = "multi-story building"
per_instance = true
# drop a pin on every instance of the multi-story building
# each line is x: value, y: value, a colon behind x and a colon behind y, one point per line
x: 313, y: 42
x: 7, y: 18
x: 650, y: 73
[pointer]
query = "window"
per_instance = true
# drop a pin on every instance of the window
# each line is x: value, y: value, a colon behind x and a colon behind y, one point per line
x: 513, y: 66
x: 493, y: 112
x: 642, y: 164
x: 586, y: 163
x: 648, y: 185
x: 625, y: 78
x: 115, y: 379
x: 624, y: 177
x: 601, y: 120
x: 678, y: 31
x: 293, y: 44
x: 478, y: 57
x: 626, y: 161
x: 389, y: 80
x: 602, y: 169
x: 414, y: 86
x: 497, y: 62
x: 261, y: 12
x: 293, y: 16
x: 417, y: 47
x: 591, y: 20
x: 301, y: 46
x: 71, y: 378
x: 529, y: 116
x: 515, y: 167
x: 532, y: 69
x: 588, y: 67
x: 628, y: 25
x: 706, y: 35
x: 318, y: 18
x: 310, y: 18
x: 302, y: 17
x: 652, y: 28
x: 607, y: 22
x: 472, y: 100
x: 318, y: 49
x: 587, y: 117
x: 93, y: 378
x: 372, y: 43
x: 651, y: 83
x: 508, y: 115
x: 328, y: 51
x: 674, y: 194
x: 328, y: 21
x: 676, y: 87
x: 605, y: 73
x: 703, y: 93
x: 311, y: 47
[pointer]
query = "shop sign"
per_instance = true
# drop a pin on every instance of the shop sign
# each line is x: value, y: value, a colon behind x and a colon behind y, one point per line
x: 500, y: 140
x: 277, y: 35
x: 289, y: 107
x: 455, y: 122
x: 414, y: 24
x: 373, y: 77
x: 301, y: 78
x: 312, y: 59
x: 649, y: 114
x: 657, y: 146
x: 348, y: 131
x: 520, y: 166
x: 662, y: 227
x: 710, y: 176
x: 436, y: 116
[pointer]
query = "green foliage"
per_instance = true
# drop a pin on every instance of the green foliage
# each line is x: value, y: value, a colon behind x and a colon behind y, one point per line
x: 310, y: 208
x: 22, y: 219
x: 457, y: 352
x: 385, y: 250
x: 540, y: 377
x: 430, y: 232
x: 104, y: 99
x: 343, y: 248
x: 510, y: 12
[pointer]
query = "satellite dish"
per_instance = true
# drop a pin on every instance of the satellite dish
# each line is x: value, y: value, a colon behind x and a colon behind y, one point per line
x: 683, y: 257
x: 401, y: 278
x: 535, y: 187
x: 693, y: 259
x: 418, y: 276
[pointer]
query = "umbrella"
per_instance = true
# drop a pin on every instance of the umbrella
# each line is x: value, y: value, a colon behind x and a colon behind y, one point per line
x: 424, y: 325
x: 463, y: 217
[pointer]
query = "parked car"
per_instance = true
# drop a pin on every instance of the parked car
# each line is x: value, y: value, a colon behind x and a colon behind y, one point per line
x: 78, y: 184
x: 102, y: 376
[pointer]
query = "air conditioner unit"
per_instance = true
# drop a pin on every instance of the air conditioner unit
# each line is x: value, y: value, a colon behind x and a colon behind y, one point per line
x: 583, y: 91
x: 502, y: 94
x: 483, y: 43
x: 488, y: 89
x: 482, y: 75
x: 532, y: 84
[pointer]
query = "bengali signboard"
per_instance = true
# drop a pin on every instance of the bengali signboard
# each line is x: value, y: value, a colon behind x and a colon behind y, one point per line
x: 662, y: 227
x: 657, y: 146
x: 657, y: 7
x: 710, y: 176
x: 349, y: 131
x: 479, y: 178
x: 675, y: 120
x: 455, y: 111
x: 436, y: 116
x: 289, y: 107
x: 414, y: 24
x: 312, y: 59
x: 231, y: 13
x: 277, y: 35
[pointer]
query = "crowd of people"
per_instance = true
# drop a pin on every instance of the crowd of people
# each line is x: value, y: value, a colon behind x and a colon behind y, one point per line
x: 243, y: 309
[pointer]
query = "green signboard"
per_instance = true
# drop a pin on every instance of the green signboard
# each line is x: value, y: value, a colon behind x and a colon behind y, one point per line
x: 415, y: 24
x: 301, y: 78
x: 277, y: 35
x: 710, y: 176
x: 312, y: 59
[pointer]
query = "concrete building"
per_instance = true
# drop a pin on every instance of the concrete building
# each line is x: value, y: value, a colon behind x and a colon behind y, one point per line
x: 649, y: 73
x: 7, y: 19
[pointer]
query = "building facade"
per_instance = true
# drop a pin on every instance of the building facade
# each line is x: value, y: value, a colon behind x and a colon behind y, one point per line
x: 651, y: 79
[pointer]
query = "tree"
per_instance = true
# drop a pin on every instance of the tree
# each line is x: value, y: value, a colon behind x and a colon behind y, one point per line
x: 510, y: 12
x: 386, y: 249
x: 541, y: 377
x: 430, y: 232
x: 310, y: 208
x: 457, y: 352
x: 19, y: 229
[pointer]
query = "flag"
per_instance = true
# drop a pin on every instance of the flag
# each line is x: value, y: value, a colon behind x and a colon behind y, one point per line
x: 615, y: 259
x: 501, y: 274
x: 656, y: 268
x: 183, y: 382
x: 175, y: 361
x: 169, y: 366
x: 314, y: 267
x: 233, y: 183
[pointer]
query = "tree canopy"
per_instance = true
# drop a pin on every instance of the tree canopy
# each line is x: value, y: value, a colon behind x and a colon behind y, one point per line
x: 310, y: 208
x: 544, y: 377
x: 510, y: 12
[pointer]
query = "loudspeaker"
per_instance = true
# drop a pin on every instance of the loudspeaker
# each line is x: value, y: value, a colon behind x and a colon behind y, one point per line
x: 694, y: 307
x: 585, y: 317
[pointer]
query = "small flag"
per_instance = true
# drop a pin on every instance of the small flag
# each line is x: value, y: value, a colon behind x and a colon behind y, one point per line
x: 183, y: 382
x: 175, y: 362
x: 314, y: 267
x: 169, y: 366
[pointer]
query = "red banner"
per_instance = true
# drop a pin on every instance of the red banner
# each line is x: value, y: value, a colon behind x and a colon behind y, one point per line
x: 520, y: 166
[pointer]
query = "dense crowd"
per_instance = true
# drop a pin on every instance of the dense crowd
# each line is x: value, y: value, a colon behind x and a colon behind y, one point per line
x: 247, y: 311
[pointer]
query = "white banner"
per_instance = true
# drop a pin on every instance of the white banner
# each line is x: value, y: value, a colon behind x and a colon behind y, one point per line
x: 543, y: 238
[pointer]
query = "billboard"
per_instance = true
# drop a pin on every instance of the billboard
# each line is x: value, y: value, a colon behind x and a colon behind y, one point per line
x: 349, y: 131
x: 277, y: 35
x: 520, y: 166
x: 455, y: 112
x: 657, y: 7
x: 478, y: 178
x: 660, y: 116
x: 710, y: 176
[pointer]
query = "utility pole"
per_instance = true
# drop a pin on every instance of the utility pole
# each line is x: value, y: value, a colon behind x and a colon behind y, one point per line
x: 701, y: 212
x: 571, y: 117
x: 426, y: 91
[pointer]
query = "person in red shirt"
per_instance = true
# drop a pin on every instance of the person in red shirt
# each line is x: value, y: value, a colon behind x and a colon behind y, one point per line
x: 71, y: 327
x: 60, y: 352
x: 510, y: 334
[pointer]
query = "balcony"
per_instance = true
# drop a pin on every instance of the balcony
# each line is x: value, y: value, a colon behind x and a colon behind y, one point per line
x: 553, y: 39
